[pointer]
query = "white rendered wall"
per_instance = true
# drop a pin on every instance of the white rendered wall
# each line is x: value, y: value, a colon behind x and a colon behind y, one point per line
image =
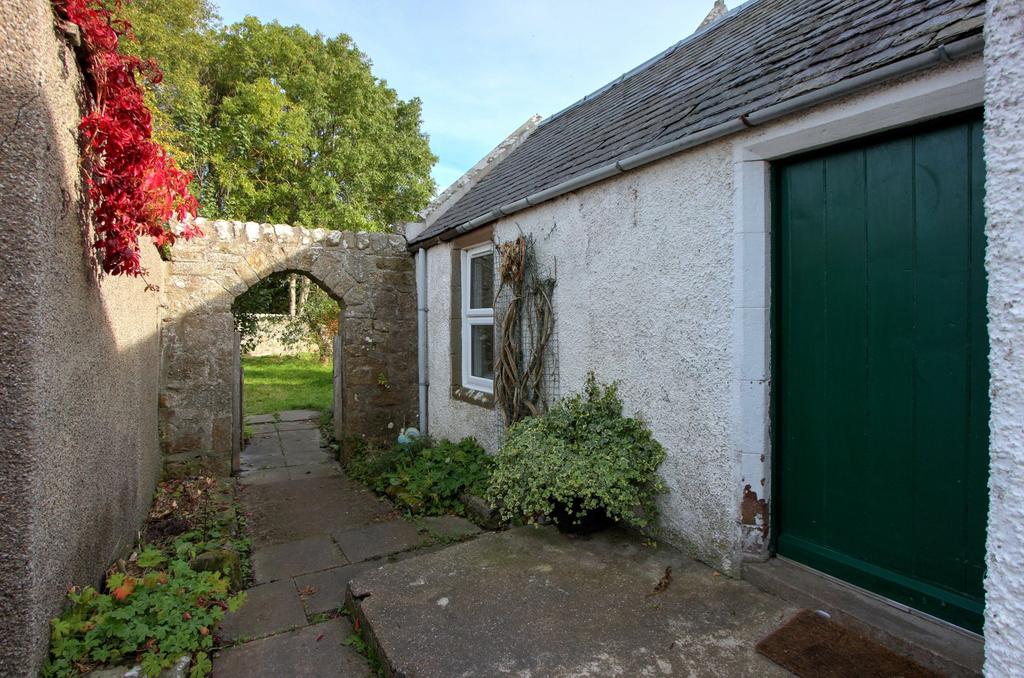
x: 1004, y: 208
x: 644, y: 295
x: 449, y: 418
x: 662, y: 283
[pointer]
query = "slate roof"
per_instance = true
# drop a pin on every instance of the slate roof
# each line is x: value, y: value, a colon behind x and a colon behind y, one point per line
x: 759, y: 54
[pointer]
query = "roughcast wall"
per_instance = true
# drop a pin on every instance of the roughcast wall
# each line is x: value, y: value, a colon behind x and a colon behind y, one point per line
x: 79, y: 354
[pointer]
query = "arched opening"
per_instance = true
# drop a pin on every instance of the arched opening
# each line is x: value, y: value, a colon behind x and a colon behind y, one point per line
x: 287, y: 327
x: 371, y: 277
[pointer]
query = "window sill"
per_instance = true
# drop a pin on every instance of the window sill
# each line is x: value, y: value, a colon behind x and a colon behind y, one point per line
x: 473, y: 397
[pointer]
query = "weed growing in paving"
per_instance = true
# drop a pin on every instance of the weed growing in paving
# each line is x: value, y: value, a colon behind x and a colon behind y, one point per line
x: 434, y: 537
x: 320, y: 617
x: 358, y: 642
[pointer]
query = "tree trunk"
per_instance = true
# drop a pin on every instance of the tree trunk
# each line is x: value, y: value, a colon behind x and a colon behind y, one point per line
x: 291, y: 294
x: 303, y: 293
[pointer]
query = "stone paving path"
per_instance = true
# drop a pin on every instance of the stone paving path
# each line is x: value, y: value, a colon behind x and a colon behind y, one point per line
x: 313, y: 529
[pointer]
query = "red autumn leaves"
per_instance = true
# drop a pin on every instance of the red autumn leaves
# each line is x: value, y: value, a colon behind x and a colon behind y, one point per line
x: 135, y: 188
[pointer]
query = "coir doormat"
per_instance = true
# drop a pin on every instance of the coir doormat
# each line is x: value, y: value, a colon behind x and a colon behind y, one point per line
x: 812, y: 646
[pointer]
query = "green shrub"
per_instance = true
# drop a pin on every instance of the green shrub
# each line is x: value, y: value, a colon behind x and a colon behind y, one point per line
x: 425, y: 476
x: 167, y: 611
x: 583, y: 455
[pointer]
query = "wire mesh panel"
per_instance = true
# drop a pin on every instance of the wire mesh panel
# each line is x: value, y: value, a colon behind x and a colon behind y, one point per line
x: 526, y: 374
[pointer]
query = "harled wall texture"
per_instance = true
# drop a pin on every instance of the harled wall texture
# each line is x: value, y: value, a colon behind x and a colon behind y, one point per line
x: 79, y: 355
x: 643, y: 295
x: 1004, y: 261
x: 646, y: 266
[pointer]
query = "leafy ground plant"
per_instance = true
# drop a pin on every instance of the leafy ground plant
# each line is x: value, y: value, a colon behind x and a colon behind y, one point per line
x: 154, y: 607
x: 426, y: 477
x: 582, y: 456
x: 153, y: 619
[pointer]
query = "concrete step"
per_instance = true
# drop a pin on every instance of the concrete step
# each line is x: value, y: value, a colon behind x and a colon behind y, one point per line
x: 534, y: 602
x: 931, y: 642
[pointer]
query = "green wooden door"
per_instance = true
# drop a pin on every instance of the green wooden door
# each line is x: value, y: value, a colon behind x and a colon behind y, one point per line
x: 881, y: 374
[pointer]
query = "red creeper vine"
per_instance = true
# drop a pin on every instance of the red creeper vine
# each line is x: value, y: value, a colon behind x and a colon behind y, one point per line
x: 134, y: 186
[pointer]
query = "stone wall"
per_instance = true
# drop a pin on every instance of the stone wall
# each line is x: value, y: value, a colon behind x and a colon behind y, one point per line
x: 268, y: 340
x: 79, y: 354
x: 1004, y: 261
x: 371, y: 275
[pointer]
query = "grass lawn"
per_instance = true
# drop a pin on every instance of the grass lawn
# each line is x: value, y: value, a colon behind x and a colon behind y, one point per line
x: 275, y: 383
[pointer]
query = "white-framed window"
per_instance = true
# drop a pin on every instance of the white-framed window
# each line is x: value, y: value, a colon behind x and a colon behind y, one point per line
x: 478, y: 318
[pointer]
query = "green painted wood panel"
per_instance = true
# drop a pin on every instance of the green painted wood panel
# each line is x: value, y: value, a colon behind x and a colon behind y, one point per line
x: 880, y: 368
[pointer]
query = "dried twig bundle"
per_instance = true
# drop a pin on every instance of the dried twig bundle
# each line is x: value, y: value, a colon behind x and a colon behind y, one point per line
x: 519, y: 372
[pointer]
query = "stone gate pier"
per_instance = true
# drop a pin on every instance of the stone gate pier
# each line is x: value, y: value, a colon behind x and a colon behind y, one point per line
x: 370, y: 275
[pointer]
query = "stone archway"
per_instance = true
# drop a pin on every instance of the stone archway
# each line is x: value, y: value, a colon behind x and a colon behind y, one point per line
x: 372, y: 277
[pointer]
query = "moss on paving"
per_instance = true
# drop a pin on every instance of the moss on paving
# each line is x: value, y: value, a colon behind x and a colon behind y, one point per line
x: 277, y: 383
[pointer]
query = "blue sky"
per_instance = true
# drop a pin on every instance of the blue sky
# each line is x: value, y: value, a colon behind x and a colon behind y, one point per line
x: 483, y: 67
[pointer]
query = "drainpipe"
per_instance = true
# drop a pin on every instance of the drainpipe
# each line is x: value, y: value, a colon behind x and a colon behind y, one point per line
x: 421, y: 334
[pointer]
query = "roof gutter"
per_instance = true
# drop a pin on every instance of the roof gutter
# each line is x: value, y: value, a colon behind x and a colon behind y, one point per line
x: 944, y: 53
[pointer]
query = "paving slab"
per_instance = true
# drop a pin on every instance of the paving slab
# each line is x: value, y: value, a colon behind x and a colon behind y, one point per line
x: 294, y: 442
x: 302, y: 425
x: 256, y: 458
x: 325, y: 591
x: 263, y: 444
x: 302, y: 435
x: 260, y: 418
x: 264, y: 476
x: 262, y: 463
x: 269, y: 608
x: 378, y: 540
x: 291, y: 559
x: 308, y: 456
x: 312, y: 652
x: 314, y: 471
x: 299, y: 415
x: 530, y: 601
x: 263, y: 429
x: 450, y: 526
x: 289, y: 511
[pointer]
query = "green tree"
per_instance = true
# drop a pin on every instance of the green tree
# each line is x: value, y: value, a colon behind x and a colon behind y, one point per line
x: 280, y: 124
x: 316, y: 321
x: 180, y: 35
x: 269, y: 295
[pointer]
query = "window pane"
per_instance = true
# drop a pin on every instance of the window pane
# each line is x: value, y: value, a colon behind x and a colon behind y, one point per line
x: 482, y: 347
x: 481, y: 281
